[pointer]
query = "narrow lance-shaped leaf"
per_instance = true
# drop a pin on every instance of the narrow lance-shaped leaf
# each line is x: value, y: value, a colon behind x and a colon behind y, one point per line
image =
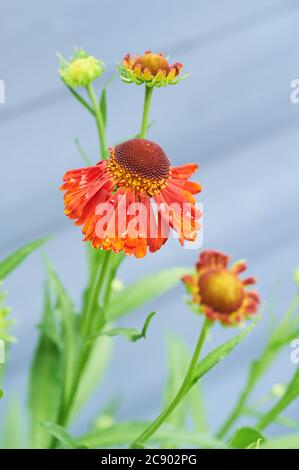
x: 70, y: 324
x: 292, y: 392
x: 131, y: 334
x: 9, y: 263
x: 103, y: 99
x: 45, y: 378
x: 144, y: 290
x: 281, y: 335
x: 61, y: 434
x: 221, y: 352
x: 103, y: 105
x: 80, y: 99
x: 123, y: 433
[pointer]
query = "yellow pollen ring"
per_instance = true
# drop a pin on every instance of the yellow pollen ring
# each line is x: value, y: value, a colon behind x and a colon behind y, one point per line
x: 123, y: 177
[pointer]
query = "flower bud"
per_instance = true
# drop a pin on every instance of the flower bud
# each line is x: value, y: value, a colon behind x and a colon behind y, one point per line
x: 81, y: 69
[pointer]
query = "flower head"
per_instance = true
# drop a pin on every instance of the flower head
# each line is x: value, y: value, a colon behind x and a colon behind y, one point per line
x: 113, y: 200
x: 81, y: 69
x: 218, y: 291
x: 151, y: 69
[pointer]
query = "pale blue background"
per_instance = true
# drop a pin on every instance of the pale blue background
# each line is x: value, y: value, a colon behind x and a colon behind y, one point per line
x: 233, y: 116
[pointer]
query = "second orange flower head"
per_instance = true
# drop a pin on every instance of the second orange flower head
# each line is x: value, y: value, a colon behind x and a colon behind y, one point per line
x: 150, y: 68
x: 217, y: 290
x: 113, y: 199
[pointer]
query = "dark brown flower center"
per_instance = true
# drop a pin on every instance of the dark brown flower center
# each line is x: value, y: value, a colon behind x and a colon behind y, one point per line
x: 154, y: 62
x: 143, y: 158
x: 221, y: 290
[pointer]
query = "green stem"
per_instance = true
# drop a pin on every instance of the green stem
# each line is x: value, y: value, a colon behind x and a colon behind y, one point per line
x: 99, y: 121
x: 184, y: 389
x: 146, y: 108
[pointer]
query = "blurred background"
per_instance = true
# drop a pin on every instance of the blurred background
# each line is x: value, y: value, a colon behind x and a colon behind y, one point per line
x: 233, y: 116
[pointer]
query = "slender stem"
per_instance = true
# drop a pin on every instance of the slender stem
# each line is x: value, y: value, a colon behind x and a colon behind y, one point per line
x: 99, y: 121
x: 146, y: 108
x: 184, y: 389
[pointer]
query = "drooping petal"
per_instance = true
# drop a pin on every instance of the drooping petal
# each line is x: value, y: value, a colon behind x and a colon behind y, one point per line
x: 179, y: 210
x: 184, y: 171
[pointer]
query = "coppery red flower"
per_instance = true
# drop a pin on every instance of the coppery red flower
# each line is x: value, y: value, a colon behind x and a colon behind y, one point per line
x: 218, y: 291
x: 113, y: 200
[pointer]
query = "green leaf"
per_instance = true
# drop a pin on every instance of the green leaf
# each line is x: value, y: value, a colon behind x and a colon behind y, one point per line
x: 12, y: 261
x: 103, y: 105
x: 144, y: 290
x: 131, y: 334
x: 103, y: 99
x: 286, y: 330
x: 246, y: 437
x: 292, y: 392
x: 70, y: 328
x: 14, y: 435
x: 289, y: 441
x: 80, y: 99
x: 1, y: 393
x: 45, y: 385
x: 281, y: 420
x: 61, y: 434
x: 124, y: 433
x: 221, y: 352
x: 181, y: 437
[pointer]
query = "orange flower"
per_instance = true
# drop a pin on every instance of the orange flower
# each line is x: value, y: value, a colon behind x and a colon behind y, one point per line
x: 112, y: 200
x: 219, y: 292
x: 150, y: 68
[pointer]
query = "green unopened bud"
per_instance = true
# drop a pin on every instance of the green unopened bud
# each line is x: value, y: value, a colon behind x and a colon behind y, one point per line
x: 81, y: 69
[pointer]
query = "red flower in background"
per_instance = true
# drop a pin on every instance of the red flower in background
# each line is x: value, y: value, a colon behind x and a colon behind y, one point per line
x: 113, y: 200
x: 219, y: 292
